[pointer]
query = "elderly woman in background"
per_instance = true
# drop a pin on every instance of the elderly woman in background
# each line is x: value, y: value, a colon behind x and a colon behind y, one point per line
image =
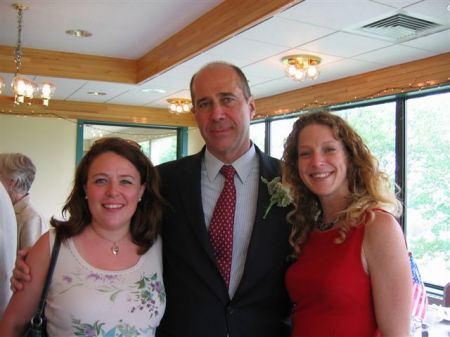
x: 351, y: 276
x: 17, y: 173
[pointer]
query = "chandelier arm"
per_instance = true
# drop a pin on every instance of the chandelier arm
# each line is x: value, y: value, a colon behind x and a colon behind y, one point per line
x: 18, y: 52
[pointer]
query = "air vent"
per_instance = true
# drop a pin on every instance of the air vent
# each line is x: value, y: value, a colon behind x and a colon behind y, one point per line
x: 400, y: 27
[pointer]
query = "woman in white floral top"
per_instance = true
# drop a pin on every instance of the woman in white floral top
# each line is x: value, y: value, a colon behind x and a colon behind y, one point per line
x: 108, y: 276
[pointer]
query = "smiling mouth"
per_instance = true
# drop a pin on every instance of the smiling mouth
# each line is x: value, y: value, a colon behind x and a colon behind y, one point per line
x: 321, y: 175
x: 112, y: 206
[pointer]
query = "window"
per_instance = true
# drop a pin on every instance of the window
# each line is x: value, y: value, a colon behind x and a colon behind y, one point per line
x: 376, y: 126
x: 258, y: 134
x: 279, y: 130
x: 159, y: 144
x: 427, y: 185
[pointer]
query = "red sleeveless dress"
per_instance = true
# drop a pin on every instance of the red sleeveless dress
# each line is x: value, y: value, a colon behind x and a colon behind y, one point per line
x: 330, y: 290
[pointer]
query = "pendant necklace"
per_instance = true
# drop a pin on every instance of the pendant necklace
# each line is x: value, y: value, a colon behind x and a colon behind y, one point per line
x: 321, y: 226
x: 115, y: 247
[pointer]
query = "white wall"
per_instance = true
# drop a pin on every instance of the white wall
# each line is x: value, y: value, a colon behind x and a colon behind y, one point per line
x: 51, y: 145
x: 195, y: 141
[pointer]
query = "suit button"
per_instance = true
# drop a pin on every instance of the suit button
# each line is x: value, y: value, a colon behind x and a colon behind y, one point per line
x: 230, y: 310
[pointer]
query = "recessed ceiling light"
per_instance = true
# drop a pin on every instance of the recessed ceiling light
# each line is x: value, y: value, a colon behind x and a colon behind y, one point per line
x: 97, y: 93
x: 78, y: 33
x: 159, y: 91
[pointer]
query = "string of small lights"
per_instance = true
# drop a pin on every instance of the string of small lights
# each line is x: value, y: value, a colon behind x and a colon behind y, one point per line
x: 391, y: 91
x: 412, y: 87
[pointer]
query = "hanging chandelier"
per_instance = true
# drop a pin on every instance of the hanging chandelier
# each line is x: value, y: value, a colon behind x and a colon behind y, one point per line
x: 301, y: 67
x: 24, y: 89
x: 179, y: 105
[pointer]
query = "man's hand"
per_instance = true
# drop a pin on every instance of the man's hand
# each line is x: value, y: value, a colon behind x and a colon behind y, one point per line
x: 21, y: 272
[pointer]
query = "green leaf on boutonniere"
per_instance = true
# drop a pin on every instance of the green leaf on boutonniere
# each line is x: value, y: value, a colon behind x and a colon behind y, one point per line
x: 279, y: 194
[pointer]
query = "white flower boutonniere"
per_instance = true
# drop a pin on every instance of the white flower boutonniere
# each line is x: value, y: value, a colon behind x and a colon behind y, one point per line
x: 279, y: 194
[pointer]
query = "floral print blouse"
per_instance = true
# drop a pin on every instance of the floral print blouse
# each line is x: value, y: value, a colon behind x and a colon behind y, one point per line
x: 86, y: 301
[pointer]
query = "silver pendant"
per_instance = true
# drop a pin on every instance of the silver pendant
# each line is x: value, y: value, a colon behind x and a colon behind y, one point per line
x: 115, y: 249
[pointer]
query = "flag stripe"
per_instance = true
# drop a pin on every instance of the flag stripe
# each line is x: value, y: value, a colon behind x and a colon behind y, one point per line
x: 420, y: 300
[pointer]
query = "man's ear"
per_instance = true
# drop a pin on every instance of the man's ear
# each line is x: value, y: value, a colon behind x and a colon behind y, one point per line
x: 252, y: 106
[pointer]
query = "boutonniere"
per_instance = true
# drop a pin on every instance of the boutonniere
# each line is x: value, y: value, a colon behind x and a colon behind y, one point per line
x: 279, y: 194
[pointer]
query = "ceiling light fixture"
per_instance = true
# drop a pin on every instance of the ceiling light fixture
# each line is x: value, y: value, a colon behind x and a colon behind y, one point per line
x: 23, y: 88
x: 78, y: 33
x: 301, y: 67
x: 97, y: 93
x: 179, y: 105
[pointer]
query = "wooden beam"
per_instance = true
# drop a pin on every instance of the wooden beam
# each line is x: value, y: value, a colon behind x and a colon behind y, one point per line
x: 429, y: 72
x: 405, y: 77
x: 97, y: 112
x: 69, y: 65
x: 222, y: 22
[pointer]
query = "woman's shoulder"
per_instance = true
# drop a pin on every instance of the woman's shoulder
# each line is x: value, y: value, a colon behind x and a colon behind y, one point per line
x: 42, y: 244
x: 381, y: 230
x: 379, y: 220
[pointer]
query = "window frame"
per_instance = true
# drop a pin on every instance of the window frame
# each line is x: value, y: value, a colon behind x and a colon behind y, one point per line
x: 181, y: 134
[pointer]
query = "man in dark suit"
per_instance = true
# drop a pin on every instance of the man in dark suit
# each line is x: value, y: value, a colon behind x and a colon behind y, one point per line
x: 199, y: 303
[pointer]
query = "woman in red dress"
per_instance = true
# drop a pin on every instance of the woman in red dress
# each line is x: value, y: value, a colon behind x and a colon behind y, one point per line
x: 351, y: 276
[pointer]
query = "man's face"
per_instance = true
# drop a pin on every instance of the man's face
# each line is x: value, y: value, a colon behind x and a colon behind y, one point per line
x: 222, y: 113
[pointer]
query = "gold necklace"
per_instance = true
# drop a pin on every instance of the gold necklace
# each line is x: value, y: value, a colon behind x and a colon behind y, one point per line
x: 115, y: 247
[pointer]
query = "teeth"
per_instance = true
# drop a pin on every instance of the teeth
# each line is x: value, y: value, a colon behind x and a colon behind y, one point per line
x: 321, y: 175
x: 112, y: 206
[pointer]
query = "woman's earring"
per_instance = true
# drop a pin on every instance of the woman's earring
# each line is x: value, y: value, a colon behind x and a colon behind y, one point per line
x: 85, y: 197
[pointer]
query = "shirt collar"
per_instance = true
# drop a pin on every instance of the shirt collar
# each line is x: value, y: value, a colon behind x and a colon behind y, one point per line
x: 243, y: 165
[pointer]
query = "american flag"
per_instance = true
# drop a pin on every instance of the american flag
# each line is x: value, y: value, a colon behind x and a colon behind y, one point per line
x: 420, y: 300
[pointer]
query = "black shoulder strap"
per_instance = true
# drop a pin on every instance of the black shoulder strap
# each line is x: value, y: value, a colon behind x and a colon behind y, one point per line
x: 54, y: 257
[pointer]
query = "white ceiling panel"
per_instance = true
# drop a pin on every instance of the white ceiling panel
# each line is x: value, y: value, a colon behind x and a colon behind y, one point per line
x: 343, y: 44
x: 398, y: 3
x: 397, y: 54
x: 249, y: 51
x: 438, y: 43
x: 285, y: 32
x: 336, y: 14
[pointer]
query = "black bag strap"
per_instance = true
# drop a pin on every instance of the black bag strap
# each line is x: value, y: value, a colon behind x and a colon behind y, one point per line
x: 38, y: 317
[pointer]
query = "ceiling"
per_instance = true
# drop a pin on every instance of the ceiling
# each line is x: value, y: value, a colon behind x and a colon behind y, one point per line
x: 135, y: 29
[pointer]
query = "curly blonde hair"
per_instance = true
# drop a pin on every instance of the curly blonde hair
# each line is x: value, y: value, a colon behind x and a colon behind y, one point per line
x: 369, y: 187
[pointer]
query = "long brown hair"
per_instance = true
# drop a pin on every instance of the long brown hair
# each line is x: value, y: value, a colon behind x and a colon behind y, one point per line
x: 368, y: 186
x: 146, y: 221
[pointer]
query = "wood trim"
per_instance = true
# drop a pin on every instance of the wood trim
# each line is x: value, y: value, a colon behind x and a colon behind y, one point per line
x: 405, y: 77
x: 40, y: 62
x: 223, y: 21
x: 97, y: 112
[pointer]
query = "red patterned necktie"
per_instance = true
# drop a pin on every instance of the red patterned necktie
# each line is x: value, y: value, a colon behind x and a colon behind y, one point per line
x: 221, y: 227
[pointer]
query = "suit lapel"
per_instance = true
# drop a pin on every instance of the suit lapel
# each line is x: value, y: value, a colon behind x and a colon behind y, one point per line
x: 190, y: 190
x: 262, y: 238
